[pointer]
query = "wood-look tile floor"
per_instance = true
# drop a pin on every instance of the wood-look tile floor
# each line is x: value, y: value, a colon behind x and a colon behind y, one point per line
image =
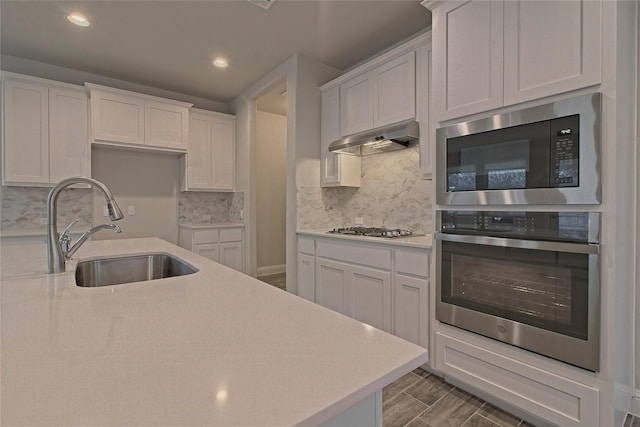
x: 422, y: 399
x: 278, y: 280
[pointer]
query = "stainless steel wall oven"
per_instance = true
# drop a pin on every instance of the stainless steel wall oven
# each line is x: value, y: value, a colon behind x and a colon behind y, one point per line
x: 543, y: 155
x: 530, y: 279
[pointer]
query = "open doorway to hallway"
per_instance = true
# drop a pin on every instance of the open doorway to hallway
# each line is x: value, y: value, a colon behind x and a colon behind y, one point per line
x: 271, y: 184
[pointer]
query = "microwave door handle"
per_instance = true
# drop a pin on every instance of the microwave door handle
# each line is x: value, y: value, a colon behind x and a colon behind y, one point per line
x: 578, y: 248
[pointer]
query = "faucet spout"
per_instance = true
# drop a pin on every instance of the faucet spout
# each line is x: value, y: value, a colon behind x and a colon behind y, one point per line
x: 83, y: 238
x: 55, y: 255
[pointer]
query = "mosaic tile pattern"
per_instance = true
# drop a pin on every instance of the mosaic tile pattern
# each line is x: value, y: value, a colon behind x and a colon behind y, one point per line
x: 391, y: 195
x: 23, y: 207
x: 193, y: 206
x: 236, y: 206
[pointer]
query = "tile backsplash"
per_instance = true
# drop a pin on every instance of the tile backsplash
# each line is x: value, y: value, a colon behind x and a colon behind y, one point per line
x: 391, y: 195
x: 221, y: 207
x: 24, y: 207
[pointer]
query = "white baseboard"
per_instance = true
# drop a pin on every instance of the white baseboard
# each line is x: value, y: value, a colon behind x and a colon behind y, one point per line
x: 271, y: 269
x: 634, y: 407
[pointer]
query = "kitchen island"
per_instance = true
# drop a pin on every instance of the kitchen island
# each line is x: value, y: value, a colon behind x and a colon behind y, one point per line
x: 214, y: 348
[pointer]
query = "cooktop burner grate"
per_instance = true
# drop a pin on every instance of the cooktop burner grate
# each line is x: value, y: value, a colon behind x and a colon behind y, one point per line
x: 372, y: 232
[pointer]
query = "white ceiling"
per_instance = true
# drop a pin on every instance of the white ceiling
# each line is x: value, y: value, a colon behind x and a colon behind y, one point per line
x: 170, y: 44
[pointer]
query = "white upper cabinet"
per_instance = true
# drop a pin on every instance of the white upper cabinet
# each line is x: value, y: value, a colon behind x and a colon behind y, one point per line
x: 467, y: 54
x: 45, y: 137
x: 166, y: 125
x: 209, y: 163
x: 423, y: 109
x: 125, y: 118
x: 381, y: 96
x: 356, y: 108
x: 69, y: 147
x: 380, y: 92
x: 395, y: 85
x: 550, y: 47
x: 490, y: 54
x: 335, y: 169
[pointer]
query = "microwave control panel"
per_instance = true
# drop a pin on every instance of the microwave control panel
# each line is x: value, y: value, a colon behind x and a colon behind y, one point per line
x: 565, y: 155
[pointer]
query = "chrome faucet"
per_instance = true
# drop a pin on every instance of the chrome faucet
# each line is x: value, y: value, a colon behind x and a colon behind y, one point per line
x: 56, y: 255
x: 65, y: 239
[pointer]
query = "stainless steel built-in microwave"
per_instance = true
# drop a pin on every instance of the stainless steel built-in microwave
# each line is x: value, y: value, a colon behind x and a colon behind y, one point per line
x: 548, y: 154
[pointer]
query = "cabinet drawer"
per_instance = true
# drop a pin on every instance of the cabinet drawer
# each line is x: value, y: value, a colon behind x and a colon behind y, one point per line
x: 376, y: 257
x: 205, y: 236
x: 231, y: 235
x: 414, y: 262
x: 306, y: 245
x: 554, y: 398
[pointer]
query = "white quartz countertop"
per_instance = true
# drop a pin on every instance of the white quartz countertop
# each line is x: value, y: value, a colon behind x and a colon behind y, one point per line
x: 424, y: 241
x: 211, y: 225
x: 215, y: 348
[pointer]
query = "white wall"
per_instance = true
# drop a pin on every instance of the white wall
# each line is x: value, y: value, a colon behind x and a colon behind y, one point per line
x: 303, y: 76
x: 148, y: 181
x: 271, y: 184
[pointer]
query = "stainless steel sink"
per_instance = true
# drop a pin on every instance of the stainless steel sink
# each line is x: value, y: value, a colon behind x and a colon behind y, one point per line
x: 127, y: 269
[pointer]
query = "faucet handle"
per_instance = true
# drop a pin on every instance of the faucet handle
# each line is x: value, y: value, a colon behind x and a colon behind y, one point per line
x: 66, y: 230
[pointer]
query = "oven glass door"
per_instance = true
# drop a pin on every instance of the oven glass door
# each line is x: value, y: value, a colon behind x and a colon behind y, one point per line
x: 546, y: 289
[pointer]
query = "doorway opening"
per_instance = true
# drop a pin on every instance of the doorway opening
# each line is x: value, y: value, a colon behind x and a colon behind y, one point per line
x: 271, y: 185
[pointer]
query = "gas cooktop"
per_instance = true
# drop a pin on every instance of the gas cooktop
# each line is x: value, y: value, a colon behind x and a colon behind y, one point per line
x: 372, y: 232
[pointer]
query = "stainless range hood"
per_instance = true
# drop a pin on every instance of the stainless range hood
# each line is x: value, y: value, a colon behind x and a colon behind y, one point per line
x: 385, y: 138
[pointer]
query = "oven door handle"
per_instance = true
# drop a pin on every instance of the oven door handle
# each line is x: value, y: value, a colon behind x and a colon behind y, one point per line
x: 577, y: 248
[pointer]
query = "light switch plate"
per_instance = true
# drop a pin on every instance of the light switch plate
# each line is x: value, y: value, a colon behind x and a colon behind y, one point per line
x: 131, y: 210
x: 359, y: 220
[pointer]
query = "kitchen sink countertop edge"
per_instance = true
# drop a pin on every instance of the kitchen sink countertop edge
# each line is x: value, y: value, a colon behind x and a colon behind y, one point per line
x: 212, y: 348
x: 423, y: 241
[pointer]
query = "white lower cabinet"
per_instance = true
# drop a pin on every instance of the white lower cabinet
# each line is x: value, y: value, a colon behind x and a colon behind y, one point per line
x: 377, y: 283
x: 411, y: 321
x: 306, y: 276
x: 331, y: 285
x: 362, y: 293
x: 221, y: 244
x: 523, y: 383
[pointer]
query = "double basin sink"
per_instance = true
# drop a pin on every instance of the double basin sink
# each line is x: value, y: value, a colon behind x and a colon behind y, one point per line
x: 127, y: 269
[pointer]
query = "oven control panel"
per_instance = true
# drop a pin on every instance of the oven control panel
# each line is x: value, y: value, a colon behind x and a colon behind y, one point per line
x: 556, y: 226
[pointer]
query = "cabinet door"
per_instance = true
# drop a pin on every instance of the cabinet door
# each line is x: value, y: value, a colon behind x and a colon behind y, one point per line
x: 166, y: 125
x: 550, y: 47
x: 223, y: 151
x: 424, y: 113
x: 332, y: 281
x: 411, y: 309
x: 395, y: 90
x: 335, y: 169
x: 329, y: 132
x: 467, y: 55
x: 69, y: 148
x: 306, y: 276
x: 199, y: 153
x: 208, y: 250
x: 356, y: 104
x: 26, y: 133
x: 231, y: 255
x: 117, y: 117
x: 370, y: 297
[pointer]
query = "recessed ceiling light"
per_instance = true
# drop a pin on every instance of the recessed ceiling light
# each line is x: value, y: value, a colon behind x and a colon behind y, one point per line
x: 78, y: 19
x: 220, y: 63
